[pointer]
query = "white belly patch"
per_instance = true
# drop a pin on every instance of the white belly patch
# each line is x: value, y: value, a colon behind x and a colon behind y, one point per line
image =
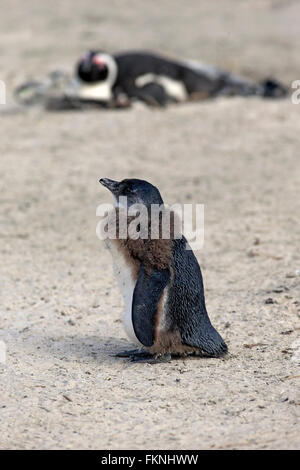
x: 173, y: 88
x: 126, y: 283
x: 97, y: 92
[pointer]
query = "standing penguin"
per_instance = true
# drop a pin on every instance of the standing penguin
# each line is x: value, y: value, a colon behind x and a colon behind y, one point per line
x: 162, y: 285
x: 157, y: 80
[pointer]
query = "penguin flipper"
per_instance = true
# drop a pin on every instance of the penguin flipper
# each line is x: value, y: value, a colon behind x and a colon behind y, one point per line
x: 146, y: 295
x: 151, y: 93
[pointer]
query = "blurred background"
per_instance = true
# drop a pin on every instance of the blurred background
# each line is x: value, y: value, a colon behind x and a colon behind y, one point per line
x: 255, y: 38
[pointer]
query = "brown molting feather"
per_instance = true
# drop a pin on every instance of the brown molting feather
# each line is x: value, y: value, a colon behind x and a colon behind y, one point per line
x: 158, y: 316
x: 154, y: 253
x: 169, y: 342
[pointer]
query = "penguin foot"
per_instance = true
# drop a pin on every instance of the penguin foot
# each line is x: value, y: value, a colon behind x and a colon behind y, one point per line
x: 136, y: 355
x: 150, y: 359
x: 133, y: 353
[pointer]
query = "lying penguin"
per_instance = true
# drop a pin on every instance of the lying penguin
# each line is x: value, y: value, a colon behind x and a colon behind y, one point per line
x: 161, y: 282
x: 157, y: 80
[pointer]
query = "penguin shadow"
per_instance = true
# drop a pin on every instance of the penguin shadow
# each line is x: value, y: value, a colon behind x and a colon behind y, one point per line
x: 95, y: 348
x: 100, y: 349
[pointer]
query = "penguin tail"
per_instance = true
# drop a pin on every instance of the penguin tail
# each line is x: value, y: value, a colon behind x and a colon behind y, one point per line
x: 214, y: 345
x: 273, y: 89
x: 221, y: 349
x: 207, y: 339
x: 230, y: 85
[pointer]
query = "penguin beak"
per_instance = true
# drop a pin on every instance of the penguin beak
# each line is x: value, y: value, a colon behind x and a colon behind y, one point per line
x: 85, y: 62
x: 112, y: 185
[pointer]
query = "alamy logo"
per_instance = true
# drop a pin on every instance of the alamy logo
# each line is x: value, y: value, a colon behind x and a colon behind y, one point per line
x: 2, y: 352
x: 295, y: 347
x: 296, y: 94
x: 2, y: 92
x: 138, y: 221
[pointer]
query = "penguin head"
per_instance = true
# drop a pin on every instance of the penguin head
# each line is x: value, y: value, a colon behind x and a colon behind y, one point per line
x: 96, y: 66
x: 136, y: 191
